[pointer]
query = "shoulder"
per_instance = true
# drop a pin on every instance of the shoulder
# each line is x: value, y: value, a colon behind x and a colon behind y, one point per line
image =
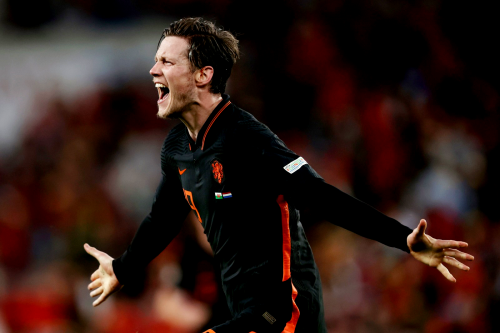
x: 175, y: 143
x: 247, y: 129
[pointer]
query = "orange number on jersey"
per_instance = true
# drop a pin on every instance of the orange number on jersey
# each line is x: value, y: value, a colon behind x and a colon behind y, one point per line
x: 189, y: 198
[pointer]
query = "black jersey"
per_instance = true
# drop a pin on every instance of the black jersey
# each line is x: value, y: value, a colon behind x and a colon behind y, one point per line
x: 246, y: 189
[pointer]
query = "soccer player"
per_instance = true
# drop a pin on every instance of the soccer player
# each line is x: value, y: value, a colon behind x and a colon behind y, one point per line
x: 246, y: 188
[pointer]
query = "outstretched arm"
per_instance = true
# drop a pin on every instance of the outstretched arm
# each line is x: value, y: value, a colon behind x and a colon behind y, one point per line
x: 163, y: 223
x: 436, y: 252
x: 168, y: 212
x: 306, y: 189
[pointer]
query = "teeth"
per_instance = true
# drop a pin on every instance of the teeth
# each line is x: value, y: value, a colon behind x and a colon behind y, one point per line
x: 159, y: 85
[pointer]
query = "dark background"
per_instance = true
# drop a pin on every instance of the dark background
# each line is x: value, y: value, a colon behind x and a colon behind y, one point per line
x: 395, y: 102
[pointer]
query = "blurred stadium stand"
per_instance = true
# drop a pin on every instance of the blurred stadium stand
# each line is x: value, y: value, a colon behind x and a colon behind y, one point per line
x: 394, y: 102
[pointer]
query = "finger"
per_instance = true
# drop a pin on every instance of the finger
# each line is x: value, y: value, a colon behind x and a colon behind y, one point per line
x: 92, y: 251
x: 443, y: 244
x: 443, y: 270
x: 96, y: 292
x: 101, y: 299
x: 97, y: 283
x: 455, y: 263
x: 95, y: 275
x: 458, y: 254
x: 421, y: 227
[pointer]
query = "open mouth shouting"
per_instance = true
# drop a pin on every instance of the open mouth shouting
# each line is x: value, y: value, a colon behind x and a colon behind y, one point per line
x: 163, y: 92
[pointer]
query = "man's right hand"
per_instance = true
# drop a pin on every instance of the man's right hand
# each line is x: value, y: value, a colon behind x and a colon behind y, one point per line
x: 104, y: 281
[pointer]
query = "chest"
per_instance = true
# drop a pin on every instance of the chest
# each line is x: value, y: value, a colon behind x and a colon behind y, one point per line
x: 208, y: 179
x: 222, y: 183
x: 203, y: 171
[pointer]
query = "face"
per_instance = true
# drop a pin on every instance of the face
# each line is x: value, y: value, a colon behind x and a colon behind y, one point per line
x: 173, y: 77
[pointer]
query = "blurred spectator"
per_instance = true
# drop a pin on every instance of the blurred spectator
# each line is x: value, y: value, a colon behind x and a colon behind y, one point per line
x: 394, y: 102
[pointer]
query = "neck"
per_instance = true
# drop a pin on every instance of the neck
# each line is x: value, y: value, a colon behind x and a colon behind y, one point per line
x: 195, y: 117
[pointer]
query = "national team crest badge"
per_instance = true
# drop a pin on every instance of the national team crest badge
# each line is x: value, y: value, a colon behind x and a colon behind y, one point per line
x: 217, y: 171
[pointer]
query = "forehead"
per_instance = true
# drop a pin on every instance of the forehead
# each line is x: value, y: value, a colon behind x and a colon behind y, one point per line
x: 173, y: 47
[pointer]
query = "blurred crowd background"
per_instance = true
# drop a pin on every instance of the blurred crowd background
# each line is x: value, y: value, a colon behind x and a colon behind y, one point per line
x: 395, y: 102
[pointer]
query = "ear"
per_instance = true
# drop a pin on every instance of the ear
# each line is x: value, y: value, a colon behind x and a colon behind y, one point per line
x: 204, y: 76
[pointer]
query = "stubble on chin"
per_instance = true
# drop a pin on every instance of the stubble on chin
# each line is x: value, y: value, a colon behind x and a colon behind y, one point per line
x: 168, y: 112
x: 175, y: 107
x: 163, y: 114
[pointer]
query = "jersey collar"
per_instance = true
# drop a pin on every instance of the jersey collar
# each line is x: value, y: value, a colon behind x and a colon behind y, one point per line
x: 209, y: 125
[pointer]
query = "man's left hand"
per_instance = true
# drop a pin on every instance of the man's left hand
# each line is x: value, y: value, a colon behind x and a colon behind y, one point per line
x: 436, y: 252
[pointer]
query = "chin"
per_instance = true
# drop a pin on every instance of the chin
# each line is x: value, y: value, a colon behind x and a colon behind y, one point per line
x: 164, y: 111
x: 172, y: 110
x: 168, y: 113
x: 162, y: 114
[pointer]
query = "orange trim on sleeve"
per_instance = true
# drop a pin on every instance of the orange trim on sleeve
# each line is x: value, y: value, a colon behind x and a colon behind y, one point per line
x: 287, y: 251
x: 209, y: 331
x: 292, y: 323
x: 213, y: 120
x: 287, y: 243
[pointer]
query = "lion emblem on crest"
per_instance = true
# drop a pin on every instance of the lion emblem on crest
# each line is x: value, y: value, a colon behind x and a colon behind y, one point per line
x: 217, y: 170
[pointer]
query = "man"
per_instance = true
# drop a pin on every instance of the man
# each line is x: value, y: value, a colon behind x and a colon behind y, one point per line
x: 246, y: 189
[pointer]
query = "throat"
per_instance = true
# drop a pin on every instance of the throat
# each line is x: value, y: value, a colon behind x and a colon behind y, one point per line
x: 193, y: 134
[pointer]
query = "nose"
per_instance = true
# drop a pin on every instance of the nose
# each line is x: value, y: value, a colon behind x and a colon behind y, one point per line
x: 155, y: 71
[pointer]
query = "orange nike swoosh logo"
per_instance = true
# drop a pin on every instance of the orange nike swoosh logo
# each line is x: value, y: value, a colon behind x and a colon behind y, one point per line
x: 181, y: 171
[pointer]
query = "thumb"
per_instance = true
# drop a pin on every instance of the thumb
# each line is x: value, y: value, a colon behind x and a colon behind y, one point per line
x: 92, y: 251
x: 421, y: 227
